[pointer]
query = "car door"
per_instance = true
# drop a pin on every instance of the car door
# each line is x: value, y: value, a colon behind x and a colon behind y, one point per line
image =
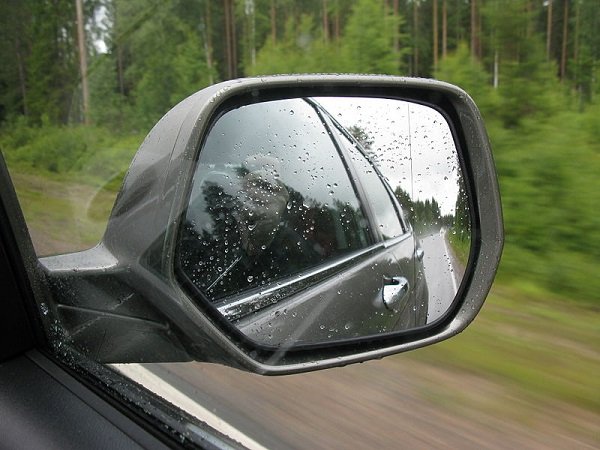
x: 278, y: 232
x: 385, y: 212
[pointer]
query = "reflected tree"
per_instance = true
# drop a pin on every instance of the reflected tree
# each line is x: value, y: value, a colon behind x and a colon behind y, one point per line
x: 215, y: 254
x: 462, y: 223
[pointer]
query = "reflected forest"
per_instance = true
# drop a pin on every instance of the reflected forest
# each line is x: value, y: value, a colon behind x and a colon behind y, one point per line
x: 228, y: 247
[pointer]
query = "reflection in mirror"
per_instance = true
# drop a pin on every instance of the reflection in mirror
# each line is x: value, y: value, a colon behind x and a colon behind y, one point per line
x: 320, y: 219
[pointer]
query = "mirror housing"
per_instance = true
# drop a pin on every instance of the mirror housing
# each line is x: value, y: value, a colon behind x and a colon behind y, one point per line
x: 122, y: 301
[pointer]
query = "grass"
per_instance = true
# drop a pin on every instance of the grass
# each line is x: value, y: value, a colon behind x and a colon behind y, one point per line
x: 66, y: 179
x: 460, y: 247
x: 62, y: 217
x: 540, y: 348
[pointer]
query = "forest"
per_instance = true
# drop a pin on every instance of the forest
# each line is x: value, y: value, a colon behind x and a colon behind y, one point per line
x: 82, y: 81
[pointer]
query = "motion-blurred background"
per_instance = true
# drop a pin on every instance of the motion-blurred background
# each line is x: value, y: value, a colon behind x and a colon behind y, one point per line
x: 82, y: 81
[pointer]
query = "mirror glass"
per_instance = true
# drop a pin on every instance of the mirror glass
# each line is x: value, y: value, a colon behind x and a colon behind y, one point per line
x: 319, y: 219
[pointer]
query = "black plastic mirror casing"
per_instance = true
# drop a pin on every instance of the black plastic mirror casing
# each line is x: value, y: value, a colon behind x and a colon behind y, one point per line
x: 138, y: 248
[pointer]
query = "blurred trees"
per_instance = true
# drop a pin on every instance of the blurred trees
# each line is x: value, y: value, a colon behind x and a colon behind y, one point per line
x: 154, y: 53
x: 532, y: 66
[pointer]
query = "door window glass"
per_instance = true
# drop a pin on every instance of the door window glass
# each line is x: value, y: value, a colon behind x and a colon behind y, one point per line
x: 380, y: 201
x: 271, y: 197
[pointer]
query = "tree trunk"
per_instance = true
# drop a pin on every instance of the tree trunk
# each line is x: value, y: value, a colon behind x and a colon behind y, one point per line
x: 396, y: 42
x: 475, y: 49
x: 435, y: 34
x: 444, y: 29
x: 233, y: 38
x: 273, y: 21
x: 251, y: 29
x: 415, y: 68
x: 22, y: 80
x: 83, y: 61
x: 563, y: 53
x: 325, y: 22
x: 549, y: 30
x: 208, y: 48
x: 337, y: 21
x: 230, y: 41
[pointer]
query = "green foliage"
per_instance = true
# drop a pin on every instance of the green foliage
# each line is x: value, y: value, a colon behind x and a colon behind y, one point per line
x: 548, y: 173
x: 38, y: 41
x: 88, y: 153
x: 461, y: 246
x: 108, y: 107
x: 527, y: 88
x: 190, y: 73
x: 301, y: 49
x: 462, y: 69
x: 533, y: 343
x: 168, y: 63
x: 367, y: 46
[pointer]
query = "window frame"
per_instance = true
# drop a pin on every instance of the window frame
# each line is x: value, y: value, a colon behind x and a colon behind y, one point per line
x: 336, y: 130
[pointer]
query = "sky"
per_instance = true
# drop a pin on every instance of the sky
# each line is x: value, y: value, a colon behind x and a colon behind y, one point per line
x: 412, y: 143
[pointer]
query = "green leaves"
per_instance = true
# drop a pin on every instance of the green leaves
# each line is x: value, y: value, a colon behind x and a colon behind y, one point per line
x: 366, y: 46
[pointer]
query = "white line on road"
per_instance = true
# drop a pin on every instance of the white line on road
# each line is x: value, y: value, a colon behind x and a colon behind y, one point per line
x: 165, y: 390
x: 449, y: 257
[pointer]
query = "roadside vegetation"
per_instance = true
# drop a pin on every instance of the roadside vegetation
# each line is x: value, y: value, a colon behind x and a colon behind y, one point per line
x: 535, y: 345
x: 461, y: 247
x: 529, y: 359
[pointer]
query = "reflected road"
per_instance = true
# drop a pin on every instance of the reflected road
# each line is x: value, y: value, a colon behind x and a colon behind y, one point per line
x: 442, y: 272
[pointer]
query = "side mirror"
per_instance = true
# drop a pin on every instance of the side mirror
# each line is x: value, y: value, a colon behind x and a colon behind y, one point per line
x: 287, y: 224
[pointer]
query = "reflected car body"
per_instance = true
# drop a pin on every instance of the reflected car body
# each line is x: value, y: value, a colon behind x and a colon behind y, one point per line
x: 298, y: 243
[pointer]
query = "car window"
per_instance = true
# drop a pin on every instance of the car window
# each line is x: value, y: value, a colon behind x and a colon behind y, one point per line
x: 386, y: 214
x: 271, y: 197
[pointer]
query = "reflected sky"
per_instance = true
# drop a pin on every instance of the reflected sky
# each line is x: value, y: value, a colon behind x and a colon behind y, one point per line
x: 408, y: 138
